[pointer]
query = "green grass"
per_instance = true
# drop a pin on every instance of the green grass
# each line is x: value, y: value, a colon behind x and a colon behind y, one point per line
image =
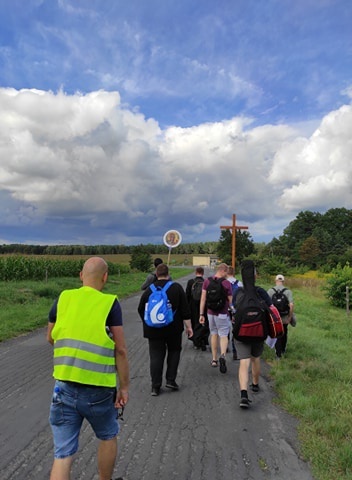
x: 313, y: 381
x: 24, y: 305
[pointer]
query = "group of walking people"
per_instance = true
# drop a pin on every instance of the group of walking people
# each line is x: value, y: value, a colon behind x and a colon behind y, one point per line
x: 207, y: 321
x: 86, y: 330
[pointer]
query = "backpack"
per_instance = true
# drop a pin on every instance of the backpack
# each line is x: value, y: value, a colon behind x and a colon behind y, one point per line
x: 250, y: 320
x: 280, y: 301
x: 158, y: 310
x: 196, y: 289
x: 275, y: 325
x: 216, y: 294
x: 235, y: 287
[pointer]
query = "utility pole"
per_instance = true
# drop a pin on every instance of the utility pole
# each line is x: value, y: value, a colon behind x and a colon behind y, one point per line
x: 233, y: 229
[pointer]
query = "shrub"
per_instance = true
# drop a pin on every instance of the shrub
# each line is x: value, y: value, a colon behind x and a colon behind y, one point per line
x: 335, y: 288
x: 141, y: 260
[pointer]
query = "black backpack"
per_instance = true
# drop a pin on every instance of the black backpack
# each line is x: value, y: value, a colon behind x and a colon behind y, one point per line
x: 250, y: 321
x: 216, y: 294
x: 280, y: 301
x: 196, y: 289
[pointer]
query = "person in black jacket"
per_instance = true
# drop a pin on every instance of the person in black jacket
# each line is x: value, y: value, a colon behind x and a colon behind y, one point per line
x: 151, y: 277
x: 168, y: 339
x: 193, y: 294
x: 249, y: 353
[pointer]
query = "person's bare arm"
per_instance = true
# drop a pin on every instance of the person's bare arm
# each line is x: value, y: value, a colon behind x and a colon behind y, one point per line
x: 48, y: 333
x: 202, y: 306
x: 121, y: 366
x: 188, y: 327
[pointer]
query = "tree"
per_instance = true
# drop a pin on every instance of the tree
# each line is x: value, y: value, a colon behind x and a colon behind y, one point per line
x: 244, y: 246
x: 309, y: 252
x: 141, y: 259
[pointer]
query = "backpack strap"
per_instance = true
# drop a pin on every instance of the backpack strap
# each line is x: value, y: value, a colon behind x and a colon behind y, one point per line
x: 167, y: 285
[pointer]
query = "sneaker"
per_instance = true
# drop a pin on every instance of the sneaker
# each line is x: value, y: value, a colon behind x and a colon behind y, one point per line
x: 171, y: 384
x: 254, y: 388
x: 155, y: 391
x: 223, y: 368
x: 244, y: 403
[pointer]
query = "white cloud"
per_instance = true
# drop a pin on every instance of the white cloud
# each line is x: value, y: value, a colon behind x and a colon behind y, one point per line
x: 85, y: 160
x: 316, y: 172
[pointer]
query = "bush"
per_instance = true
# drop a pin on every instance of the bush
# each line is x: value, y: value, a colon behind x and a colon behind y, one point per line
x: 141, y: 260
x: 273, y: 265
x: 335, y: 289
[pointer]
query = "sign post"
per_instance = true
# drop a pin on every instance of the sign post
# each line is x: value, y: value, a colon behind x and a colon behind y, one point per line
x: 172, y: 239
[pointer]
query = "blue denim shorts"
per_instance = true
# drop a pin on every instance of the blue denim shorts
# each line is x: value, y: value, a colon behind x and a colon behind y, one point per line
x: 71, y: 404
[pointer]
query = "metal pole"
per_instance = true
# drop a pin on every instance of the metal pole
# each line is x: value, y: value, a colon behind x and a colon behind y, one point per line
x: 233, y: 241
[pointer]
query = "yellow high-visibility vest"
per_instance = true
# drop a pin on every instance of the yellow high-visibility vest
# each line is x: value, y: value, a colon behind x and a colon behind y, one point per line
x: 83, y: 352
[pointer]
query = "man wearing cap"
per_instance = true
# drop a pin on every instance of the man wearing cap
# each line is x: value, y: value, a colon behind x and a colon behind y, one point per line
x: 281, y: 343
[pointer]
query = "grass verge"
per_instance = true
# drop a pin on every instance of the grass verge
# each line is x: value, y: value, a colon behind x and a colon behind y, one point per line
x: 314, y: 382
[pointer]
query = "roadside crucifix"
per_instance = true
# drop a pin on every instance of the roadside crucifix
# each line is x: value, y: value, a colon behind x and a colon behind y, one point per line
x: 233, y: 229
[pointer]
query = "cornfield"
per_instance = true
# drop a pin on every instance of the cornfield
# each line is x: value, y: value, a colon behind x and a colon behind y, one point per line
x: 34, y: 268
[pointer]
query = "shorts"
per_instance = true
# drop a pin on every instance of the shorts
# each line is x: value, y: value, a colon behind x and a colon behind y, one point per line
x: 219, y: 324
x: 71, y: 404
x: 248, y: 350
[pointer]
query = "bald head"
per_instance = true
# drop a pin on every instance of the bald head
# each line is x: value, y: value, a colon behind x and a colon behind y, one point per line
x: 94, y: 273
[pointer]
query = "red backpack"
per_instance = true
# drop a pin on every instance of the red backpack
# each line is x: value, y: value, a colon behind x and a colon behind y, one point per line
x: 276, y: 327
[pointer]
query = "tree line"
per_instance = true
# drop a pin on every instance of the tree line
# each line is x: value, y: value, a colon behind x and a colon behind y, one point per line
x: 199, y: 248
x: 311, y: 241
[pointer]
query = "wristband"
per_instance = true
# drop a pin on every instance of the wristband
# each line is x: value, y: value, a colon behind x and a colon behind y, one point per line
x: 201, y: 314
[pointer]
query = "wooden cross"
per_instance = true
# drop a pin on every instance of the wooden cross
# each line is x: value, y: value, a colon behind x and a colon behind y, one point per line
x: 233, y: 228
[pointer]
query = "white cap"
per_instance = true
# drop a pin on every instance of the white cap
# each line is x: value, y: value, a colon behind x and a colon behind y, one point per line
x: 280, y: 277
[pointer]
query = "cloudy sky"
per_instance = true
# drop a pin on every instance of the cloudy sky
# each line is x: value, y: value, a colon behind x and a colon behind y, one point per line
x: 120, y: 120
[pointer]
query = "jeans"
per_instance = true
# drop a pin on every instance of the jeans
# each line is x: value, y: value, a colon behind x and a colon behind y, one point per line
x: 71, y: 404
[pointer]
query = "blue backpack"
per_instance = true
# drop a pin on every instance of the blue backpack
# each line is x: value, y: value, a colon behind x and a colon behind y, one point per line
x: 158, y: 310
x: 235, y: 286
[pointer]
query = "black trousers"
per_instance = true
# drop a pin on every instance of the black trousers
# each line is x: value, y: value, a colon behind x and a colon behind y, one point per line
x: 280, y: 345
x: 169, y: 347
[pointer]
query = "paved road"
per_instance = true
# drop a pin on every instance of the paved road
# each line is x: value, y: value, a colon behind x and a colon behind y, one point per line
x: 196, y: 433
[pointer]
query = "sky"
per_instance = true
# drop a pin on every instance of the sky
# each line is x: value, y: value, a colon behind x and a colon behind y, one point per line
x: 122, y: 120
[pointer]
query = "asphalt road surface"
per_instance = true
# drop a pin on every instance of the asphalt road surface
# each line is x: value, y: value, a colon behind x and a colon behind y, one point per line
x: 196, y: 433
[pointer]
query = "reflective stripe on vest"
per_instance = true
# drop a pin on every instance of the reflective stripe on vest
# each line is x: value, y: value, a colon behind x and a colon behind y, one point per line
x: 63, y: 357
